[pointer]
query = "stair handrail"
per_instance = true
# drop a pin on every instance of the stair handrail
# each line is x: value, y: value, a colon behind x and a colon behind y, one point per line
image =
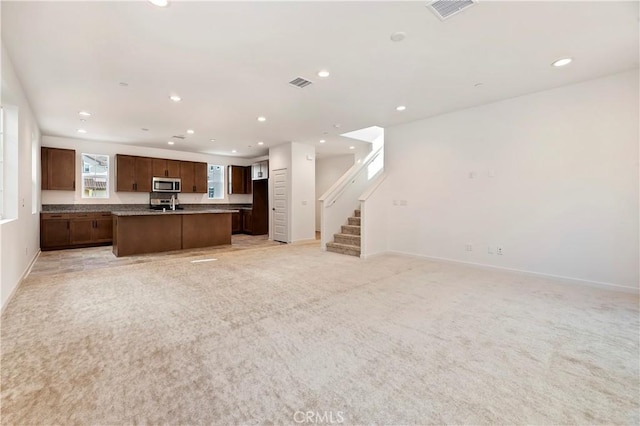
x: 349, y: 178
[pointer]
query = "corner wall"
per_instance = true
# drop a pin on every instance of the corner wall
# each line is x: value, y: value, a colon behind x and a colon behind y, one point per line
x: 551, y: 177
x: 19, y: 232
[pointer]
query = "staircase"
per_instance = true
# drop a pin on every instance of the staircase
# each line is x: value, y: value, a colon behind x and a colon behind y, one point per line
x: 348, y: 240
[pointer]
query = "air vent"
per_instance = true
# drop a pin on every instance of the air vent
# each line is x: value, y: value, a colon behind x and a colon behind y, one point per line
x: 178, y: 137
x: 300, y: 82
x: 445, y: 9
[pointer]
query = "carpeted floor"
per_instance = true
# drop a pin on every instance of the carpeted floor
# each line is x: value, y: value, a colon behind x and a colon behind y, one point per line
x: 272, y: 335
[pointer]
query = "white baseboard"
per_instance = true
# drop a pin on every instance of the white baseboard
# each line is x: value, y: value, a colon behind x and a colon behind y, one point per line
x: 571, y: 280
x: 22, y: 277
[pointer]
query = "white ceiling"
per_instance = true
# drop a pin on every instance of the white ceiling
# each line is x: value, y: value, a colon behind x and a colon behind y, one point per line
x: 231, y: 62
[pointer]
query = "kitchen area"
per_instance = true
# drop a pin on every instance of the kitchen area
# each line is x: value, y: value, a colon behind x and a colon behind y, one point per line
x: 162, y: 224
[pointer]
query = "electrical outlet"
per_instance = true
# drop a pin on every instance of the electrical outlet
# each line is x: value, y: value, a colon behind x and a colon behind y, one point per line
x: 490, y: 250
x: 499, y: 250
x: 469, y: 247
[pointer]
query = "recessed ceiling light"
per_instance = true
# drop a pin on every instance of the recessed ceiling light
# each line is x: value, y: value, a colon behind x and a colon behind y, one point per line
x: 262, y: 118
x: 562, y: 62
x: 323, y: 73
x: 175, y: 98
x: 190, y: 131
x: 398, y: 36
x: 478, y: 85
x: 212, y: 140
x: 352, y: 147
x: 171, y: 142
x: 234, y: 151
x: 123, y: 84
x: 144, y: 129
x: 401, y: 108
x: 322, y: 141
x: 84, y: 120
x: 260, y: 143
x: 337, y: 125
x: 160, y: 3
x: 82, y: 131
x: 85, y: 113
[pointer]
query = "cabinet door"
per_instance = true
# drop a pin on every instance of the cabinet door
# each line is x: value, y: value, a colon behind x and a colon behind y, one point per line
x: 200, y: 178
x: 103, y: 228
x: 187, y: 174
x: 61, y: 169
x: 237, y: 183
x: 125, y: 173
x: 143, y: 174
x: 54, y: 233
x: 44, y: 168
x: 158, y: 167
x: 236, y: 223
x: 247, y: 180
x: 81, y: 229
x: 173, y: 168
x: 247, y: 222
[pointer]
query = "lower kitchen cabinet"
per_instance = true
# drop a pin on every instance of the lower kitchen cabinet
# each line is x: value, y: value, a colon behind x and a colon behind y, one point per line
x: 236, y: 222
x: 71, y: 230
x: 247, y: 222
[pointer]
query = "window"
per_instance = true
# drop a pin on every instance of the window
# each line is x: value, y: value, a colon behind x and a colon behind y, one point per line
x: 215, y: 182
x: 95, y: 176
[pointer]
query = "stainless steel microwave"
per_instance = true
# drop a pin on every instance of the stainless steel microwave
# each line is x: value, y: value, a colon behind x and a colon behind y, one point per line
x: 163, y: 184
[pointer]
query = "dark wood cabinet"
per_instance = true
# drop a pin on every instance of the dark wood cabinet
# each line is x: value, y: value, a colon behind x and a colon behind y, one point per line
x: 133, y: 174
x: 247, y: 222
x: 200, y: 178
x: 103, y: 228
x: 165, y: 168
x: 194, y: 177
x: 239, y: 180
x: 187, y: 176
x: 236, y: 222
x: 58, y: 169
x: 260, y: 208
x: 81, y: 229
x: 54, y: 231
x: 59, y: 231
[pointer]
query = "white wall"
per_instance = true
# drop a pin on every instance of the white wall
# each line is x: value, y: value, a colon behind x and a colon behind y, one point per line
x: 299, y: 160
x: 19, y: 232
x: 328, y: 171
x: 556, y: 183
x: 303, y: 190
x: 111, y: 149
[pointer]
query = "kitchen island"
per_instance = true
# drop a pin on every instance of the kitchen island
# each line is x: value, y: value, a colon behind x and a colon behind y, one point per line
x: 152, y: 231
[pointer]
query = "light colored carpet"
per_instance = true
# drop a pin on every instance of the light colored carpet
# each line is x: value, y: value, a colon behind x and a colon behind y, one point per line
x: 261, y: 334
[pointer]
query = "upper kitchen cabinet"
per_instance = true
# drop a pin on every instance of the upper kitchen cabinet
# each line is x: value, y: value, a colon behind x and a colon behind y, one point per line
x: 194, y: 177
x: 239, y: 179
x: 133, y: 174
x: 165, y: 168
x: 260, y: 170
x: 58, y: 169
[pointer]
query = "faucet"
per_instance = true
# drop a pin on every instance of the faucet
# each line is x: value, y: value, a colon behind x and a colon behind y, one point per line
x: 173, y: 202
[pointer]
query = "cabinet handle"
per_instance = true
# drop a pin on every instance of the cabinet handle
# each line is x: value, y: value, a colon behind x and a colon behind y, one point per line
x: 194, y: 188
x: 67, y: 224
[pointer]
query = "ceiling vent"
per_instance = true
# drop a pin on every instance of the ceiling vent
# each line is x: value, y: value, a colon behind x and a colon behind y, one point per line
x: 300, y: 82
x: 178, y: 137
x: 445, y: 9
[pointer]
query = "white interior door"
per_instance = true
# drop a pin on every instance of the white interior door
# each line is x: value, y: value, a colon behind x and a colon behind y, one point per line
x: 280, y: 206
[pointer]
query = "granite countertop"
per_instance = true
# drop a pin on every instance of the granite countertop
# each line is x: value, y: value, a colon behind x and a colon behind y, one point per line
x: 160, y: 212
x: 136, y: 208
